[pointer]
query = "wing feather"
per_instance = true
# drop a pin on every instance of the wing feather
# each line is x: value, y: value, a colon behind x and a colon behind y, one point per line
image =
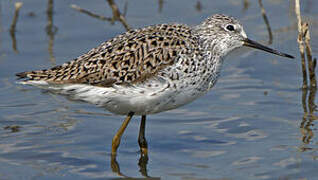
x: 131, y: 57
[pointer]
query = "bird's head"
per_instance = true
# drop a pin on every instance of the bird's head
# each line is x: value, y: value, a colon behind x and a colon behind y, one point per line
x: 221, y: 34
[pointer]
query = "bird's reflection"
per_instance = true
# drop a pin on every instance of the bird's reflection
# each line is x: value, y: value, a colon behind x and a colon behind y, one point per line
x: 142, y: 163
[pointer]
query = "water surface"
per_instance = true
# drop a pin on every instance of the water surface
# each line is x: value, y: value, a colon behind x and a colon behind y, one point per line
x: 250, y: 126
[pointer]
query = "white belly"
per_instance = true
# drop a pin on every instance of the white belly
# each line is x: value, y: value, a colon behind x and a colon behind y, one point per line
x: 141, y: 99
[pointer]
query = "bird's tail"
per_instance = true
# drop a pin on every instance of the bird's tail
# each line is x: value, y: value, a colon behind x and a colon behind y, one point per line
x: 34, y: 77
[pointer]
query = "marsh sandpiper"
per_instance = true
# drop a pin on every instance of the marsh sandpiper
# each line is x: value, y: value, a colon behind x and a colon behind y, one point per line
x: 149, y: 70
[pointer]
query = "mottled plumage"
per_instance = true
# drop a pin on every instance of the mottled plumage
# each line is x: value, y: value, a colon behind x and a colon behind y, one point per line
x: 128, y: 58
x: 148, y: 70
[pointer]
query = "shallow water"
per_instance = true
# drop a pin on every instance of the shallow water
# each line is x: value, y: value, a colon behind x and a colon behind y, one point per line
x: 250, y: 126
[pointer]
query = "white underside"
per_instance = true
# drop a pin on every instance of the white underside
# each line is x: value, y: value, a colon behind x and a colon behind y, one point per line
x: 155, y: 95
x: 140, y: 99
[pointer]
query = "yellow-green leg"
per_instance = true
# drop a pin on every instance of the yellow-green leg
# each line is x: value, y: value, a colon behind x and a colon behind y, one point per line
x: 121, y: 130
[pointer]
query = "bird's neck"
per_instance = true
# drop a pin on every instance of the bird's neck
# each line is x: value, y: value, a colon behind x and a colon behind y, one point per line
x: 207, y: 70
x: 212, y: 60
x: 210, y: 41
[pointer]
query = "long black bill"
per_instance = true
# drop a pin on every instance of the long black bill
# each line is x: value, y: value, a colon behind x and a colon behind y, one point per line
x: 256, y: 45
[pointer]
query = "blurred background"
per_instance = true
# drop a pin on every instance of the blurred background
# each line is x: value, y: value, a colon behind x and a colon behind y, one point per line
x: 256, y: 123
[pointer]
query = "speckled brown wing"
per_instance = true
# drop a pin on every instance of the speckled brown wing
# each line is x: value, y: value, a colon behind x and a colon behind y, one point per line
x: 128, y: 58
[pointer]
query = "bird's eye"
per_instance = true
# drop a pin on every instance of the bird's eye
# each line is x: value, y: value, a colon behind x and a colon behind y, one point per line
x: 230, y: 27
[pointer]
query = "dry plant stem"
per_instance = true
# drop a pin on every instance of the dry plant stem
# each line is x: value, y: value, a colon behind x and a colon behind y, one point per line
x: 14, y: 41
x: 160, y: 5
x: 198, y: 6
x: 50, y: 31
x: 125, y: 9
x: 308, y: 104
x: 90, y: 13
x: 311, y: 102
x: 311, y: 68
x: 304, y: 101
x: 17, y: 7
x: 309, y: 108
x: 301, y: 44
x: 246, y: 4
x: 117, y: 15
x: 270, y: 35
